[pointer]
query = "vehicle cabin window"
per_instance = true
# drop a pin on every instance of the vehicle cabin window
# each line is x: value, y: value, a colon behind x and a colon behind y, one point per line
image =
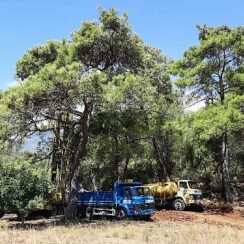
x: 141, y: 191
x: 127, y: 193
x: 183, y: 185
x: 147, y: 191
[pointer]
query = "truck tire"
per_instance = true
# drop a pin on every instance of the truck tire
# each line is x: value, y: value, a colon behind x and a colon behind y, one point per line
x: 120, y: 214
x: 179, y: 204
x: 1, y: 213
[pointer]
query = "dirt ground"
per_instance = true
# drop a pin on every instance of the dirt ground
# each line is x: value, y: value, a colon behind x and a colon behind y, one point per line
x: 233, y: 217
x: 219, y: 225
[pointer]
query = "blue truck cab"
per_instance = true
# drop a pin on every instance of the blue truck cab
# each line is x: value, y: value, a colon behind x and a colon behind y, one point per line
x: 127, y: 199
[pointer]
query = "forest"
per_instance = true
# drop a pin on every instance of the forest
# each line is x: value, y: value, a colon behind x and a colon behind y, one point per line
x: 105, y: 107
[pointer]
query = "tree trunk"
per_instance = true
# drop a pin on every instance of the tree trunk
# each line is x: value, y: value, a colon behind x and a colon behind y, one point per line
x: 22, y: 215
x: 80, y: 140
x: 226, y: 183
x: 70, y: 213
x: 161, y: 164
x: 117, y: 166
x: 94, y: 182
x: 126, y: 168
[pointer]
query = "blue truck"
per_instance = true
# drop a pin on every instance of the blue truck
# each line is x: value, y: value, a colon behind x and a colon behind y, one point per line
x: 127, y: 199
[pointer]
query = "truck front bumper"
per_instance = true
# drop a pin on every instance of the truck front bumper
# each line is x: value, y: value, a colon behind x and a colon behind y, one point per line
x: 196, y: 202
x: 141, y: 212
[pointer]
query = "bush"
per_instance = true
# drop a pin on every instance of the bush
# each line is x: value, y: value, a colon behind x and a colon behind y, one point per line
x: 23, y: 185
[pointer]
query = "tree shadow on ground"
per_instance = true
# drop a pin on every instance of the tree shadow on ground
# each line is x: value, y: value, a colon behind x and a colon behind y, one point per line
x: 41, y: 223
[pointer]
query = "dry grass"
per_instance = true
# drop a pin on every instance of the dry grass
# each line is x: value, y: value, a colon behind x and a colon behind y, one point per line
x: 126, y: 232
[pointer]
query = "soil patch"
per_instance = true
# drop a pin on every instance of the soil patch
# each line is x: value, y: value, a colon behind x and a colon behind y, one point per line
x: 233, y: 218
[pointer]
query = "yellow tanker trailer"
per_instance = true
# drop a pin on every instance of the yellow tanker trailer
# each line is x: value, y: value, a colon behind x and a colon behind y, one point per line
x: 176, y: 195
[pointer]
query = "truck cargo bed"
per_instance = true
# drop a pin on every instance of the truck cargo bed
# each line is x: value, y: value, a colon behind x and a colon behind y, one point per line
x: 96, y: 198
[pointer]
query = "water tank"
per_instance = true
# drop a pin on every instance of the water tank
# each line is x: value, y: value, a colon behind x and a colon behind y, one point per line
x: 163, y: 190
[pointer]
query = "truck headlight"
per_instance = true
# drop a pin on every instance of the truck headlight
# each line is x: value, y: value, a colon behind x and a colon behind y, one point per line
x: 149, y: 201
x: 191, y: 197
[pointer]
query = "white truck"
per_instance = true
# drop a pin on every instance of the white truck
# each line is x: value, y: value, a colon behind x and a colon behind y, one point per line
x: 177, y: 195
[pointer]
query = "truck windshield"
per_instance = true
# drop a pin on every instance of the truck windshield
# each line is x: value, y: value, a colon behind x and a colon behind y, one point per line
x: 192, y: 185
x: 140, y: 191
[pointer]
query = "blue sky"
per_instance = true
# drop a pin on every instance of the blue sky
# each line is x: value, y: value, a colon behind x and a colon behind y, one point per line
x: 169, y: 25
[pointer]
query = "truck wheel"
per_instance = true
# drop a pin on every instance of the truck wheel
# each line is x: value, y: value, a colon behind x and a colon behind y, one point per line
x: 120, y: 214
x: 1, y: 213
x: 179, y: 205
